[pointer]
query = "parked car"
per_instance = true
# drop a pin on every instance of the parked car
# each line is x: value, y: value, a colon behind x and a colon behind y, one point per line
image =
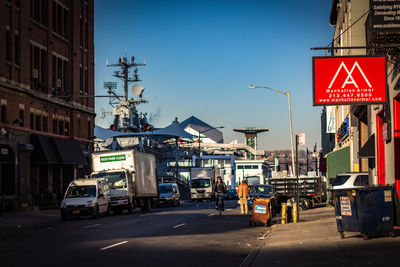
x: 169, y: 194
x: 264, y: 191
x: 350, y: 180
x: 86, y: 197
x: 230, y: 194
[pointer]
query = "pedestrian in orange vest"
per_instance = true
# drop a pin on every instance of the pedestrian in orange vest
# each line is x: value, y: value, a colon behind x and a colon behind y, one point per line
x: 243, y: 194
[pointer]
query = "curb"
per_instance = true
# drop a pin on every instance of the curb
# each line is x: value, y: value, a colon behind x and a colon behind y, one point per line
x: 253, y: 255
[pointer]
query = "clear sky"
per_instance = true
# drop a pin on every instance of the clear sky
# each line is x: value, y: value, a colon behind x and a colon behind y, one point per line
x: 203, y: 54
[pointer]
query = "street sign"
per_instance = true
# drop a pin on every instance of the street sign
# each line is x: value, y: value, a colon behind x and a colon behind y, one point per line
x: 301, y: 139
x: 349, y: 80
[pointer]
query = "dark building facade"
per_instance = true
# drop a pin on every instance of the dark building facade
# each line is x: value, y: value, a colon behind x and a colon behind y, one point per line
x: 46, y: 109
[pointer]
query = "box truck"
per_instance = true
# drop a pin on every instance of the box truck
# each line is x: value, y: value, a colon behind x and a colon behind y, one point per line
x: 131, y: 177
x: 202, y: 181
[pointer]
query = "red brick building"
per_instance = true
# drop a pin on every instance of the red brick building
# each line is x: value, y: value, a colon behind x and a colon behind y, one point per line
x: 46, y: 112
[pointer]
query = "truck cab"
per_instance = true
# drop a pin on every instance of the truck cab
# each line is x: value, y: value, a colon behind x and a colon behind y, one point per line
x: 201, y: 188
x: 121, y: 184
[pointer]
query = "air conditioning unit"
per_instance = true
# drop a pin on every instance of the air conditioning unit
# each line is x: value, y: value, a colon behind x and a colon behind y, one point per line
x: 35, y: 74
x: 59, y: 83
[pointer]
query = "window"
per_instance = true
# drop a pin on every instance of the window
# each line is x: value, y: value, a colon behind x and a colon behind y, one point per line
x: 21, y: 117
x: 61, y: 127
x: 38, y: 122
x: 86, y: 35
x: 55, y: 128
x: 240, y: 167
x: 247, y: 167
x: 43, y: 71
x: 81, y: 33
x: 65, y: 23
x: 79, y: 127
x: 3, y: 113
x: 8, y: 45
x: 54, y: 72
x: 89, y: 129
x: 44, y: 12
x: 361, y: 180
x: 32, y: 121
x: 17, y: 49
x: 255, y: 167
x: 36, y: 10
x: 65, y: 69
x: 45, y: 122
x: 67, y: 128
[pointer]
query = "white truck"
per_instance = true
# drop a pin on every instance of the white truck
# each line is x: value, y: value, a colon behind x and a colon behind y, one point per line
x: 131, y: 177
x: 202, y: 181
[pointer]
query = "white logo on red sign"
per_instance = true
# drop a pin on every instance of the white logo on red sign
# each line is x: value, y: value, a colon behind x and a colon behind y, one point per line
x: 349, y: 78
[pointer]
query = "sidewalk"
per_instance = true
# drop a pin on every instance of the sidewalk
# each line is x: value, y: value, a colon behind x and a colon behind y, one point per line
x: 10, y: 222
x: 314, y: 241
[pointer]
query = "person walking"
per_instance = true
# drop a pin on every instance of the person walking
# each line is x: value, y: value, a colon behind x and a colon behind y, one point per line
x: 219, y: 189
x: 243, y: 194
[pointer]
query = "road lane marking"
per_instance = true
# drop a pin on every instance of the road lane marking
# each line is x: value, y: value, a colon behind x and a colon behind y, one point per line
x: 179, y: 225
x: 143, y: 215
x: 91, y: 226
x: 228, y: 209
x: 209, y: 215
x: 114, y: 245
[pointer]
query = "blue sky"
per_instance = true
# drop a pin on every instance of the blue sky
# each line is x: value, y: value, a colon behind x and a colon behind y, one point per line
x: 202, y: 54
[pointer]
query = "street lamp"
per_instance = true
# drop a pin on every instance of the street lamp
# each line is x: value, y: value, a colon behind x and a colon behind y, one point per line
x: 290, y: 119
x: 209, y: 129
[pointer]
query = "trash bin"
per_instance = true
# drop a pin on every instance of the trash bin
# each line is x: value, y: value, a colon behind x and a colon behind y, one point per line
x: 261, y: 212
x: 366, y: 210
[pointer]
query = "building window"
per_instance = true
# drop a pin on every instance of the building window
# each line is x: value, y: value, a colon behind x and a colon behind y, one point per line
x: 45, y: 124
x: 54, y: 74
x: 65, y: 23
x: 43, y: 71
x: 38, y: 122
x: 240, y: 167
x: 36, y: 10
x: 89, y: 129
x: 81, y: 33
x: 55, y: 128
x: 61, y: 127
x: 86, y: 35
x: 17, y: 49
x: 32, y: 121
x: 79, y: 127
x: 8, y: 45
x: 21, y: 117
x: 247, y: 167
x: 255, y: 167
x: 44, y: 12
x: 67, y: 128
x: 3, y: 116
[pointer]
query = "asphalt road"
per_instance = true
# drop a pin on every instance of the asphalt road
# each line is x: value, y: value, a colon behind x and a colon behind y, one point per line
x: 192, y: 234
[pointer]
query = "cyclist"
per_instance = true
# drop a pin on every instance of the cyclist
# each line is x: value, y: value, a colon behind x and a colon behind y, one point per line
x: 219, y: 189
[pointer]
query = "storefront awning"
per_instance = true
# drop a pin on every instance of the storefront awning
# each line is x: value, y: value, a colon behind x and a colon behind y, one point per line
x: 70, y: 151
x: 368, y: 150
x: 44, y: 150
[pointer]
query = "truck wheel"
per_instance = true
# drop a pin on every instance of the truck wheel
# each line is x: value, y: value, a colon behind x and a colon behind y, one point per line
x: 108, y: 212
x: 64, y: 216
x: 146, y: 205
x: 96, y: 213
x: 305, y: 203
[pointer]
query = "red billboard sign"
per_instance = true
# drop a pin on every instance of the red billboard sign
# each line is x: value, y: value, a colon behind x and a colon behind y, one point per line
x: 349, y: 80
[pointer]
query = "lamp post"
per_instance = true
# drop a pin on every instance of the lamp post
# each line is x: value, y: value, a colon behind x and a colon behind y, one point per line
x: 209, y: 129
x: 290, y: 119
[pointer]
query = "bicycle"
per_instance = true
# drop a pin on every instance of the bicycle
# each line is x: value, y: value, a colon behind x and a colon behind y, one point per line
x: 219, y: 198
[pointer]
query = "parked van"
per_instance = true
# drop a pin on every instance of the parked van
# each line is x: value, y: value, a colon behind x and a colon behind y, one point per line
x: 169, y: 194
x: 86, y: 197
